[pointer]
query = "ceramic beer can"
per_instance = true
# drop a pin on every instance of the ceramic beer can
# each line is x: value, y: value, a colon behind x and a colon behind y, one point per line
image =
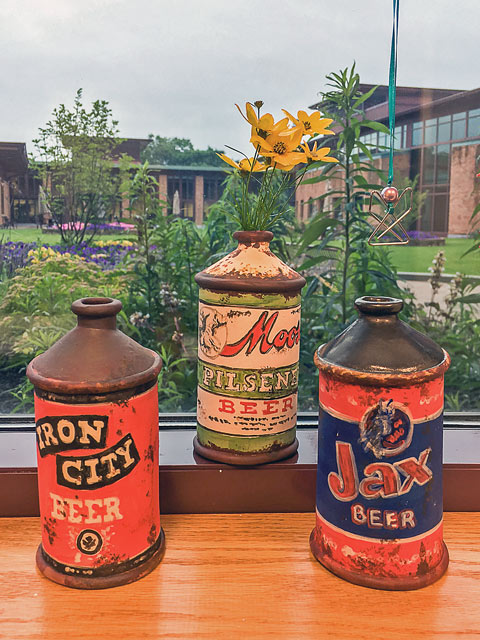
x: 379, y: 505
x: 96, y: 413
x: 248, y: 352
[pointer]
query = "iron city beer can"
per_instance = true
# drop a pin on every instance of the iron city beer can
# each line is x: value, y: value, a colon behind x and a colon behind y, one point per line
x: 248, y: 352
x: 96, y: 412
x: 379, y: 480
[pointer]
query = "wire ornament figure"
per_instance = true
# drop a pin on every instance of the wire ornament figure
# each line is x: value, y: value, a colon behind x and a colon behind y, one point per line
x: 390, y: 198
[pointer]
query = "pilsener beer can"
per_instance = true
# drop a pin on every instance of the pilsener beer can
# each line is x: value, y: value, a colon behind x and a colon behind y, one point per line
x: 248, y: 352
x: 96, y: 412
x: 379, y: 482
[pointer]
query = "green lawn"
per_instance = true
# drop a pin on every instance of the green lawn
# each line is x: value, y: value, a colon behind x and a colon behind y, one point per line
x: 36, y: 235
x: 407, y: 258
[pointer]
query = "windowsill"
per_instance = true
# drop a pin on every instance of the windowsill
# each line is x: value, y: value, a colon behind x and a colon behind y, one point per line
x: 286, y: 486
x: 239, y: 576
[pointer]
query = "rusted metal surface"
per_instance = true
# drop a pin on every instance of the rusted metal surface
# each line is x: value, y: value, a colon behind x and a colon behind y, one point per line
x: 249, y: 334
x: 379, y: 482
x: 252, y: 267
x: 96, y: 411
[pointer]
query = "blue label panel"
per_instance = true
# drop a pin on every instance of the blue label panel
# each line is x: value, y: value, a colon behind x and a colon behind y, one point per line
x: 381, y: 478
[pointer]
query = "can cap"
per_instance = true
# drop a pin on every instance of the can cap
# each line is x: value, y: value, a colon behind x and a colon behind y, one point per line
x: 94, y: 357
x: 251, y: 268
x: 378, y: 342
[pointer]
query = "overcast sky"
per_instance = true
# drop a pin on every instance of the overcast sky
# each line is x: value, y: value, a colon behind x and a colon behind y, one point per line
x: 176, y: 67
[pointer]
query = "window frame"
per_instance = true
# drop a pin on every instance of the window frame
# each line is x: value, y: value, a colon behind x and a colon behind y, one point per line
x: 286, y: 486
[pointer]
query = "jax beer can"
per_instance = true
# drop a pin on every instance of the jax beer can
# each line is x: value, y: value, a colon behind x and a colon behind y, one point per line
x: 248, y: 351
x: 96, y: 412
x: 379, y: 483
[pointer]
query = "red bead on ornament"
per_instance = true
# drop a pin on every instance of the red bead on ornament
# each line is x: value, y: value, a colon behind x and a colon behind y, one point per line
x: 390, y: 194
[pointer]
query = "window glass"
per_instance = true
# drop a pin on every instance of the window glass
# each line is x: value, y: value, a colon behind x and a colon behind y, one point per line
x: 443, y: 156
x: 398, y: 138
x: 458, y: 126
x: 428, y: 165
x: 417, y: 134
x: 426, y: 217
x: 474, y: 124
x: 430, y: 132
x: 444, y: 133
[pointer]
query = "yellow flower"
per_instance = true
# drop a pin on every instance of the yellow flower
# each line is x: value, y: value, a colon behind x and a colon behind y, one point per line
x: 315, y: 155
x: 281, y: 148
x: 262, y: 125
x: 311, y: 124
x: 245, y: 165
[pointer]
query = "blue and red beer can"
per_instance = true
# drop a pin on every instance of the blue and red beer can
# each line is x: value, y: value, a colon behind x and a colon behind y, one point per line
x: 379, y: 508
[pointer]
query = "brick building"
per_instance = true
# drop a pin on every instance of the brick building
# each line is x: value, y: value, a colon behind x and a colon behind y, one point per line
x: 18, y: 189
x: 197, y: 187
x: 437, y: 137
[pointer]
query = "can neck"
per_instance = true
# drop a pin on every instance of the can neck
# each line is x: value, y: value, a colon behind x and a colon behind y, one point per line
x: 379, y: 308
x: 259, y: 239
x: 108, y: 322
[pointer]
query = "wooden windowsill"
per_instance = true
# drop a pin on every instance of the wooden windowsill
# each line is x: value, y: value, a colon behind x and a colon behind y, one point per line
x: 248, y: 576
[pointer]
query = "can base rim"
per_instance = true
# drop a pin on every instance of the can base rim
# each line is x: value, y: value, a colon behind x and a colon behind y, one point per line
x: 101, y: 582
x: 387, y: 583
x: 244, y: 459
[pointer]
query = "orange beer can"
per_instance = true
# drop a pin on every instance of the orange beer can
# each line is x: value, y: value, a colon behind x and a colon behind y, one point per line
x: 96, y: 413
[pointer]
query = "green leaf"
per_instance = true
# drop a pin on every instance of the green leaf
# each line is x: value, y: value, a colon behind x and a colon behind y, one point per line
x: 376, y: 126
x: 361, y: 181
x: 316, y: 228
x: 364, y: 97
x: 312, y: 262
x: 473, y: 298
x: 472, y: 249
x: 349, y: 137
x: 475, y: 211
x: 365, y: 150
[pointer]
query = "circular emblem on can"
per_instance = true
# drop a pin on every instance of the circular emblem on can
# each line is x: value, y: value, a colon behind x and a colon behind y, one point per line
x: 386, y: 429
x: 89, y: 542
x: 212, y: 332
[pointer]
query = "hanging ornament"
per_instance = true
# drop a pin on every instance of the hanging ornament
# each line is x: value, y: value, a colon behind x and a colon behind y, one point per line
x: 389, y: 198
x: 390, y: 229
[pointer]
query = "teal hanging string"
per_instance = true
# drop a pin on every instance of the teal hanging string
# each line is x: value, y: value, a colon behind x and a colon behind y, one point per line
x: 392, y: 89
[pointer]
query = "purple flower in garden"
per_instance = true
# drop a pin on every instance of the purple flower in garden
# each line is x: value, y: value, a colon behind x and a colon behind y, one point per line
x: 14, y: 255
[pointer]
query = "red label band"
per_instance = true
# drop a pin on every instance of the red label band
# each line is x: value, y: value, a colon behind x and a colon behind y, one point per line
x: 98, y: 480
x: 377, y: 557
x: 350, y: 401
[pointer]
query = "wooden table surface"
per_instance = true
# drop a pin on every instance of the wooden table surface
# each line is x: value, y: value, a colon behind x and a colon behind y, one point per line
x: 238, y: 576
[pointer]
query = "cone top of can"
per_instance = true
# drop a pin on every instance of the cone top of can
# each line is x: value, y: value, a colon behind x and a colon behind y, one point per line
x: 251, y: 268
x: 379, y: 348
x: 94, y: 357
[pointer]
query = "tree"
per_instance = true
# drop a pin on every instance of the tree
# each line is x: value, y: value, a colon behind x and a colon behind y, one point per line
x: 75, y: 163
x: 179, y: 151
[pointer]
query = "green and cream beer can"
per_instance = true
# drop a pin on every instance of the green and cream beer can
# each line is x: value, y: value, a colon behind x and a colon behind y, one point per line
x: 248, y: 353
